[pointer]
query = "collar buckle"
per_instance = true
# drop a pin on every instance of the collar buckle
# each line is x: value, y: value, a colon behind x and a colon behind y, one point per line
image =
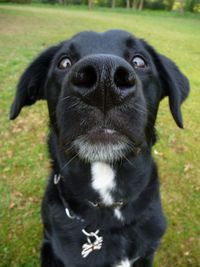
x: 117, y: 204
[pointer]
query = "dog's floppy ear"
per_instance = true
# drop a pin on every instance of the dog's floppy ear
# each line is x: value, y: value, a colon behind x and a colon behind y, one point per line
x: 32, y: 82
x: 174, y: 83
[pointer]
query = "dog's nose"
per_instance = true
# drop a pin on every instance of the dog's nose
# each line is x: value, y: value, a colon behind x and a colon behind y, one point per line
x: 104, y: 81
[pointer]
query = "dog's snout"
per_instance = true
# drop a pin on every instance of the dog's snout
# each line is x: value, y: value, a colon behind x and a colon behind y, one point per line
x: 104, y: 81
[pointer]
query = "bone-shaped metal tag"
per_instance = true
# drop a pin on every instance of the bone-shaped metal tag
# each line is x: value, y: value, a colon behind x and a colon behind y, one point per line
x: 90, y: 246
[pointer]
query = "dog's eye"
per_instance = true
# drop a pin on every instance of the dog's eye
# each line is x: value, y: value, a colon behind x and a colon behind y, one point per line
x: 139, y: 63
x: 64, y: 63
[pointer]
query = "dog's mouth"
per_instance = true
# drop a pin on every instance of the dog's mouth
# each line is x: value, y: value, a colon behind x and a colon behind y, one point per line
x: 104, y: 136
x: 102, y: 144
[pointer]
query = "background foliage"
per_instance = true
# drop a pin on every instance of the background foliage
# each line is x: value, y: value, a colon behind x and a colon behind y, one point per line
x: 25, y: 30
x: 170, y: 5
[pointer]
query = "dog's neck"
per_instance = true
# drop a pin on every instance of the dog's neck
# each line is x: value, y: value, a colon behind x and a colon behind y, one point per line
x: 110, y: 186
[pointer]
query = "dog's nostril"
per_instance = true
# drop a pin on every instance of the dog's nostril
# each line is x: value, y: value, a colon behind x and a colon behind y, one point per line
x: 85, y: 77
x: 124, y: 78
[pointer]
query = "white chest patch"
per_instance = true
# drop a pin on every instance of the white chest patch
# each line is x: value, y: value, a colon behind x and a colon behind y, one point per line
x: 103, y: 181
x: 124, y: 263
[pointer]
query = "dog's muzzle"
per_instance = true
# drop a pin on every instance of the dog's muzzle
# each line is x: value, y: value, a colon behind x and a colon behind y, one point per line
x: 105, y: 82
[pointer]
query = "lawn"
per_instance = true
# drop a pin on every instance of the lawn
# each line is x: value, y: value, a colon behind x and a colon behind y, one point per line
x: 27, y: 30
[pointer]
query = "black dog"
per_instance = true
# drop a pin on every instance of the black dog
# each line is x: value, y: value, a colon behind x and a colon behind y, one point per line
x: 102, y: 206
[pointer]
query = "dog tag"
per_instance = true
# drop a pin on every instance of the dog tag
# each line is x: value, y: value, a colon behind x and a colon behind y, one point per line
x: 90, y: 246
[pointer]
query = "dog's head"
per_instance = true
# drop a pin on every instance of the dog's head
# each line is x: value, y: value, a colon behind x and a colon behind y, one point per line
x: 103, y: 91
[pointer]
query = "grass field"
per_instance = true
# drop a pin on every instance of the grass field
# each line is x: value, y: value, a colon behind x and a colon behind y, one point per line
x: 25, y: 31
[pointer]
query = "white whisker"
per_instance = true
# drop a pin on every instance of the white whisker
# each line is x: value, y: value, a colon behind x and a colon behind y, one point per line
x: 64, y: 98
x: 68, y: 162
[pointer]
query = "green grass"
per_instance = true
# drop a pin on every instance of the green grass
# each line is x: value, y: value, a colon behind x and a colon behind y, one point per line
x: 25, y: 31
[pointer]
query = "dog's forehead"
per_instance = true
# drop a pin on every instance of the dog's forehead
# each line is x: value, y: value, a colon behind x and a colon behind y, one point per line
x: 113, y: 42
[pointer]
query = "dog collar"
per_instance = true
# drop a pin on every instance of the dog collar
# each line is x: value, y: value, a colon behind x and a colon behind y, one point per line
x: 118, y: 204
x: 70, y: 214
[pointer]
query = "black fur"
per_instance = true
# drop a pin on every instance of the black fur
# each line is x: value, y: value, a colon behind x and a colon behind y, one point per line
x: 102, y: 90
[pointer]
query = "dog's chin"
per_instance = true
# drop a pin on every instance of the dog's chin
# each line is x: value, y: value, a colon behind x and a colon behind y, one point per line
x: 103, y: 145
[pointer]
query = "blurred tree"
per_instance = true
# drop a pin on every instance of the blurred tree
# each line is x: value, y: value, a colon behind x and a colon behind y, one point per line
x: 169, y: 4
x: 190, y: 5
x: 16, y: 1
x: 155, y: 4
x: 63, y: 2
x: 103, y: 3
x: 90, y: 4
x: 141, y: 5
x: 113, y: 3
x: 138, y: 4
x: 135, y: 4
x: 127, y: 4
